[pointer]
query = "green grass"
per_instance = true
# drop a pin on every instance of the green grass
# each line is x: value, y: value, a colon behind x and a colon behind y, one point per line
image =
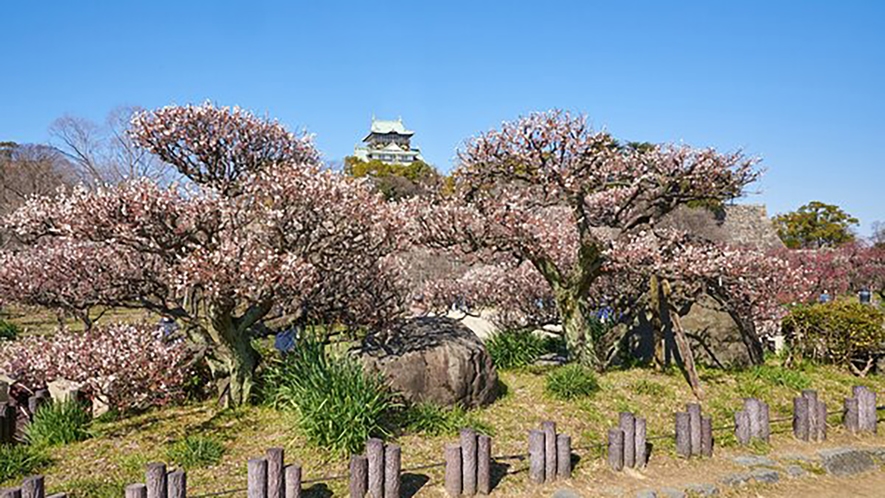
x: 8, y: 331
x: 338, y: 405
x: 520, y: 348
x: 195, y: 451
x: 18, y: 460
x: 571, y: 382
x: 433, y: 420
x: 58, y: 423
x: 95, y: 488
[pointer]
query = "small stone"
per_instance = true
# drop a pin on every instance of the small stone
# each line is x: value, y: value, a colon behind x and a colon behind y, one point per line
x: 795, y: 471
x: 565, y: 493
x: 646, y: 493
x: 846, y: 461
x: 702, y: 489
x: 754, y: 461
x: 551, y: 360
x: 672, y: 493
x: 877, y: 453
x: 767, y: 476
x: 738, y: 479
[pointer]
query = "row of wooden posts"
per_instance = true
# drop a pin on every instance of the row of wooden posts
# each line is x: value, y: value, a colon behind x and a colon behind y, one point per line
x: 8, y: 415
x: 377, y: 472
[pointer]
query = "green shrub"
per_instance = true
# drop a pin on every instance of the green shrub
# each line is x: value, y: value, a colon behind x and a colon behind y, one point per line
x: 779, y: 376
x: 571, y: 382
x: 18, y: 460
x: 195, y: 451
x: 434, y: 420
x: 8, y: 331
x: 338, y: 405
x: 520, y: 348
x: 846, y: 333
x: 58, y: 423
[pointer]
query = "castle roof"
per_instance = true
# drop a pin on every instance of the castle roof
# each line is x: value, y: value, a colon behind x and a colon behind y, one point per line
x: 384, y: 127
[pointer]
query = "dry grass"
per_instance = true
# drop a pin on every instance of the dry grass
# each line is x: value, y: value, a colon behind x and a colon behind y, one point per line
x: 45, y: 321
x: 119, y: 452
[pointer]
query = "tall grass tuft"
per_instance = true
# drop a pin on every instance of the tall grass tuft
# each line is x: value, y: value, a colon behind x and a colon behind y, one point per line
x: 18, y: 460
x: 58, y: 423
x: 520, y: 348
x: 338, y: 405
x: 571, y: 381
x: 433, y: 420
x: 8, y: 331
x: 195, y: 451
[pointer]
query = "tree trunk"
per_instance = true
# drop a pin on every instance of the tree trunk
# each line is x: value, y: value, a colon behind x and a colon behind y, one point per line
x: 576, y: 328
x: 236, y: 360
x: 657, y: 322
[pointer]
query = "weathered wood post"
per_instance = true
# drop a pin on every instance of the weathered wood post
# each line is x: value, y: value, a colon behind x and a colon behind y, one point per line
x: 275, y: 477
x: 866, y: 405
x: 800, y: 418
x: 707, y: 437
x: 11, y: 493
x: 694, y: 427
x: 751, y: 406
x: 256, y: 486
x: 468, y: 462
x: 641, y: 450
x: 6, y: 416
x: 293, y: 481
x: 359, y: 476
x: 563, y: 456
x: 549, y: 429
x: 392, y: 469
x: 453, y: 470
x: 850, y: 415
x: 177, y: 484
x: 764, y: 422
x: 616, y: 449
x: 375, y: 455
x: 742, y: 427
x: 33, y: 487
x: 136, y: 491
x: 627, y: 423
x: 537, y: 449
x: 812, y: 413
x: 155, y: 479
x: 683, y: 434
x: 821, y: 417
x: 484, y: 464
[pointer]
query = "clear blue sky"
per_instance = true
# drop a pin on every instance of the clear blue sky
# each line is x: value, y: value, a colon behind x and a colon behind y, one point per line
x: 801, y: 83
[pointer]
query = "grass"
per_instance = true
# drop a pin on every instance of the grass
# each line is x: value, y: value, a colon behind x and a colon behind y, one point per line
x: 8, y: 331
x: 17, y: 460
x: 571, y: 382
x: 58, y: 423
x: 433, y: 420
x: 195, y: 451
x: 520, y: 348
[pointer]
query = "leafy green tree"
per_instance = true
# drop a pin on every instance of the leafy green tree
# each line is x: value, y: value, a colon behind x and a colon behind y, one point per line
x: 815, y: 225
x: 396, y: 181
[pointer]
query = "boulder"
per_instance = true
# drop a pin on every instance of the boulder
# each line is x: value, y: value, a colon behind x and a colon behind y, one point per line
x: 436, y: 360
x: 846, y: 461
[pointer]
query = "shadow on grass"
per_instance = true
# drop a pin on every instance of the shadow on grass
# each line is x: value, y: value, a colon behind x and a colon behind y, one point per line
x: 319, y: 490
x: 412, y: 483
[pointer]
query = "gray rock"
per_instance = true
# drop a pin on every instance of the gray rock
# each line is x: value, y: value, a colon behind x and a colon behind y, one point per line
x: 646, y: 493
x: 614, y: 491
x: 565, y: 493
x: 672, y: 493
x: 791, y: 457
x: 754, y: 461
x: 551, y: 360
x: 702, y: 489
x: 436, y: 360
x: 737, y: 479
x: 877, y: 453
x: 846, y: 461
x: 795, y: 471
x: 767, y: 476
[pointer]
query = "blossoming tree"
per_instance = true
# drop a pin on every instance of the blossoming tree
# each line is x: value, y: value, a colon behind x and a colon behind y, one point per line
x: 548, y: 191
x: 260, y: 230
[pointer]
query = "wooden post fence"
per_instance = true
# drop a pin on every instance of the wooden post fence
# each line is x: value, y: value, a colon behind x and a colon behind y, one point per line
x: 694, y: 432
x: 468, y: 465
x: 752, y: 422
x: 377, y: 473
x: 809, y: 417
x: 549, y: 454
x: 860, y: 411
x: 632, y: 452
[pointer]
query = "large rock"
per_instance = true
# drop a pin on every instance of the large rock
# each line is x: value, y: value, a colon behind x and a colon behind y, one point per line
x: 438, y: 360
x: 846, y: 461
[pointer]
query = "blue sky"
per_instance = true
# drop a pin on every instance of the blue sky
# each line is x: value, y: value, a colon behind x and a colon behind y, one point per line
x: 801, y: 84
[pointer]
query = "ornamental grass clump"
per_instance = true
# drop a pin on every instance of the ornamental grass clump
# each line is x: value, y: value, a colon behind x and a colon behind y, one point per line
x: 58, y: 423
x: 195, y: 451
x: 20, y: 460
x: 571, y: 382
x: 339, y: 406
x: 516, y: 348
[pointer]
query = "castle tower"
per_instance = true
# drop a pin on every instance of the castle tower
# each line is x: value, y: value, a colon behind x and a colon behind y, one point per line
x: 388, y: 142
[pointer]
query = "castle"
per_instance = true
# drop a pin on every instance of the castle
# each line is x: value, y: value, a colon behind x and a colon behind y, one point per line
x: 388, y: 142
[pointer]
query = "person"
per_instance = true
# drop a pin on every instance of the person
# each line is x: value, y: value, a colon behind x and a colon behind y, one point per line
x: 284, y: 342
x: 824, y: 297
x: 865, y: 296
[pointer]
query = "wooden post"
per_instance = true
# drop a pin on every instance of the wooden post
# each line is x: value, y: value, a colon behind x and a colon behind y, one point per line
x: 616, y: 449
x: 563, y: 456
x: 850, y: 415
x: 742, y: 427
x: 375, y: 455
x: 257, y: 478
x: 800, y: 418
x: 177, y: 484
x: 136, y: 491
x: 764, y: 422
x: 468, y: 462
x: 537, y: 448
x: 5, y: 433
x: 627, y: 423
x: 751, y: 406
x: 33, y: 487
x: 811, y: 396
x: 453, y: 470
x: 821, y: 417
x: 275, y: 478
x: 11, y: 493
x: 694, y: 427
x: 866, y: 404
x: 640, y: 451
x: 549, y: 429
x: 484, y: 465
x: 155, y: 479
x: 293, y: 481
x: 359, y: 476
x: 707, y: 437
x: 683, y: 434
x: 392, y: 468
